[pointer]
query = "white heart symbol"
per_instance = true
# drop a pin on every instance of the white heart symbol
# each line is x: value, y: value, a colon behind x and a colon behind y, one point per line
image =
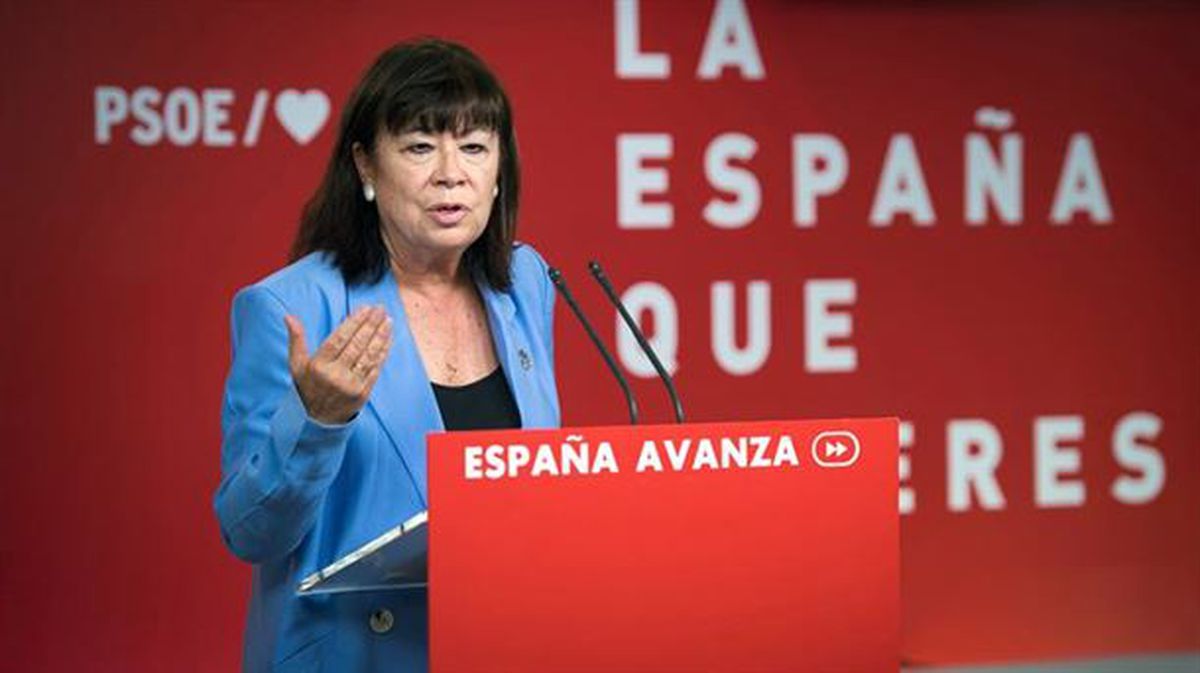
x: 302, y: 114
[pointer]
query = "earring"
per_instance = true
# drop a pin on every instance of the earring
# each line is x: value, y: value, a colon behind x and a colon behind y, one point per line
x: 369, y: 192
x: 495, y: 191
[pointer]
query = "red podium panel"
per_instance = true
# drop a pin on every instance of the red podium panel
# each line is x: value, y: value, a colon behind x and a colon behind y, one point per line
x: 765, y: 546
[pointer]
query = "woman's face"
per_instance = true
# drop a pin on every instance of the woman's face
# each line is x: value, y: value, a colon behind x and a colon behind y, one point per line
x: 434, y: 191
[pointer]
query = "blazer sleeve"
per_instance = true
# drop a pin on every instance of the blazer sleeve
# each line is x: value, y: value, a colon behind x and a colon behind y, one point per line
x: 276, y: 462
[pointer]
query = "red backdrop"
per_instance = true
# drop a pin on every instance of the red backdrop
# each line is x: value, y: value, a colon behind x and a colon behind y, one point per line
x: 1039, y: 338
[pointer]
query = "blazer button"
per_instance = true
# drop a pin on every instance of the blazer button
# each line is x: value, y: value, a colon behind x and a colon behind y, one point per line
x: 381, y: 621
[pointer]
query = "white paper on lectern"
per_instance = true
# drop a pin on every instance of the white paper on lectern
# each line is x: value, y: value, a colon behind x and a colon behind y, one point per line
x: 395, y: 560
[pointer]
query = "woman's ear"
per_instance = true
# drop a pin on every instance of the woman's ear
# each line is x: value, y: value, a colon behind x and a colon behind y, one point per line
x: 362, y: 163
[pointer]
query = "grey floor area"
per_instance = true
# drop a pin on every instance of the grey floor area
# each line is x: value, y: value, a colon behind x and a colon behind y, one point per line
x: 1175, y: 663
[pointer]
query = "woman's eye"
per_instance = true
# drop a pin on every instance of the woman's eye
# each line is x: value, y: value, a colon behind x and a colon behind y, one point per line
x: 419, y: 148
x: 474, y: 148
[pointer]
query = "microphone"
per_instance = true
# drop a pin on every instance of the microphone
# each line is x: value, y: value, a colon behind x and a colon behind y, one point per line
x: 561, y: 285
x: 598, y: 274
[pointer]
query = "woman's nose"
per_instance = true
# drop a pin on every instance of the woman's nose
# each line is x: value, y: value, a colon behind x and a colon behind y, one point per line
x: 448, y: 171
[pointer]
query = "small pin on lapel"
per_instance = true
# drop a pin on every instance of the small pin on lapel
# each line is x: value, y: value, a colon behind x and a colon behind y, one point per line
x: 526, y: 361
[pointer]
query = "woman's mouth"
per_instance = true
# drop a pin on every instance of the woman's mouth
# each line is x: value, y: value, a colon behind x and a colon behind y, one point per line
x: 448, y: 213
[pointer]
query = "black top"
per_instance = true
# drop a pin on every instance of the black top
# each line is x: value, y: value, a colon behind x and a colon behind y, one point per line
x: 486, y: 404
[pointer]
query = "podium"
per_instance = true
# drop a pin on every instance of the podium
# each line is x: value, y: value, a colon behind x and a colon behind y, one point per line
x: 759, y: 546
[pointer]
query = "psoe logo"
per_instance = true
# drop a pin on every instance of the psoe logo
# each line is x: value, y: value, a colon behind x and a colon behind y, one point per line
x: 836, y: 448
x: 210, y: 117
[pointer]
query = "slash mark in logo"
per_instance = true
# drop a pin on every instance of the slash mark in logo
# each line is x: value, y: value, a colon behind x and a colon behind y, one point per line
x: 836, y: 448
x: 302, y: 114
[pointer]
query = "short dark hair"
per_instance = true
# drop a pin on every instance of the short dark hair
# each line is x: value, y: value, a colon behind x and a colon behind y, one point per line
x: 429, y: 85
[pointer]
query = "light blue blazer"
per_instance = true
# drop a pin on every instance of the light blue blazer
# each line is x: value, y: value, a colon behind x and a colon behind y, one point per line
x: 296, y: 494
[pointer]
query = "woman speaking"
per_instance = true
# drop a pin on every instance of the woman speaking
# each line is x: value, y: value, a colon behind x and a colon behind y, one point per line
x: 407, y: 309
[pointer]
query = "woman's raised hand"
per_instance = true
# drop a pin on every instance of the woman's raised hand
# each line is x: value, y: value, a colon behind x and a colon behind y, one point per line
x: 335, y: 382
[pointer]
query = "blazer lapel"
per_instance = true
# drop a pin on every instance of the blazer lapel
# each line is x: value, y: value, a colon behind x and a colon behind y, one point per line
x: 512, y: 349
x: 402, y: 399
